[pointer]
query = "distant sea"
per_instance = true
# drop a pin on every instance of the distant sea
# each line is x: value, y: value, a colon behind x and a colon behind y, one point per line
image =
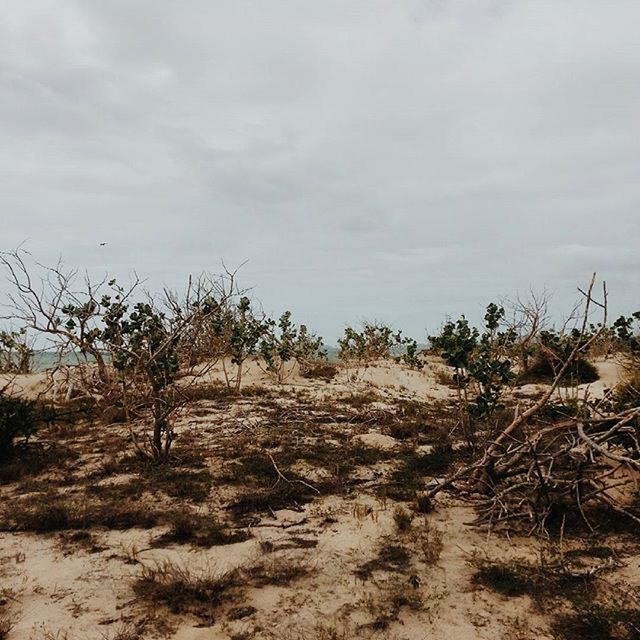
x: 43, y: 360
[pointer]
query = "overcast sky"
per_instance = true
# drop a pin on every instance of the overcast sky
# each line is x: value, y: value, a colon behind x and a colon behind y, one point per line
x: 391, y: 159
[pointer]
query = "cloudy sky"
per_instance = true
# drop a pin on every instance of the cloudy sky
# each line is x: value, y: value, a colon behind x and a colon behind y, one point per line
x: 391, y: 159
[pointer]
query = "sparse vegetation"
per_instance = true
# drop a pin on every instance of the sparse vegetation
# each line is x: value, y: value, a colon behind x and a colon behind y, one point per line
x: 282, y: 342
x: 47, y: 512
x: 185, y: 435
x: 395, y: 598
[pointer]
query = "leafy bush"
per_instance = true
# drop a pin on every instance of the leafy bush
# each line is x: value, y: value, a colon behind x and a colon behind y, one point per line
x: 377, y: 342
x: 283, y: 341
x: 543, y: 369
x: 627, y: 331
x: 245, y: 333
x: 16, y: 356
x: 553, y: 350
x: 17, y: 419
x: 410, y: 357
x: 143, y: 344
x: 374, y: 342
x: 480, y: 363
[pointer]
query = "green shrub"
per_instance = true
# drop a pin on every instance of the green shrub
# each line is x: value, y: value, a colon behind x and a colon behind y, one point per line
x: 479, y: 363
x: 16, y: 420
x: 542, y: 370
x: 283, y: 341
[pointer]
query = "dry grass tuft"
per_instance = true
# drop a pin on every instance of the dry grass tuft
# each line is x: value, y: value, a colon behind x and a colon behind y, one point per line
x: 185, y: 591
x: 403, y: 519
x: 430, y: 542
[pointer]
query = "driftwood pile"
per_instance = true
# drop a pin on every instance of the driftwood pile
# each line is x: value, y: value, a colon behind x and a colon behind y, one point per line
x: 540, y: 473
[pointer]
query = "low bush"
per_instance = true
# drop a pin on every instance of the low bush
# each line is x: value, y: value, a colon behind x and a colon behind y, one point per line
x: 543, y: 371
x: 27, y: 462
x: 277, y: 571
x: 285, y: 495
x: 402, y: 519
x: 431, y: 542
x: 17, y: 419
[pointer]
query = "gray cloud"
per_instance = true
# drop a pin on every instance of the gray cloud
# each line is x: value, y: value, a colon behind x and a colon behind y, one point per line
x: 398, y: 160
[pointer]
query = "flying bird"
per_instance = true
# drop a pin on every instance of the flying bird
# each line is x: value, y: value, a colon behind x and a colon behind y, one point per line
x: 103, y: 244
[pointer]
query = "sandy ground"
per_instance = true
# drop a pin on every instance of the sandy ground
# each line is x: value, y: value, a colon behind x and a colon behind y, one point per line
x: 54, y: 588
x: 87, y: 595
